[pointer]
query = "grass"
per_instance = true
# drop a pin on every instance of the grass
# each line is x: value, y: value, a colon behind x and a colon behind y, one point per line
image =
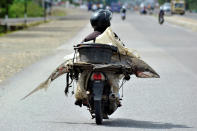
x: 59, y: 12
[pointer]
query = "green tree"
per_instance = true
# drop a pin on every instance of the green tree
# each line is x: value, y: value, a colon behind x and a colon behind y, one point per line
x: 3, y: 3
x: 163, y: 1
x: 191, y: 4
x: 3, y: 6
x: 17, y: 9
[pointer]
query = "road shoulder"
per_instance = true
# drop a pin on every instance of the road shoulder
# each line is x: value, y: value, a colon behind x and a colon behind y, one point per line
x: 183, y: 21
x: 23, y: 48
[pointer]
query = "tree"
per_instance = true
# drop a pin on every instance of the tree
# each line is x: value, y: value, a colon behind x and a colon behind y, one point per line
x: 3, y: 3
x: 163, y: 1
x: 191, y: 4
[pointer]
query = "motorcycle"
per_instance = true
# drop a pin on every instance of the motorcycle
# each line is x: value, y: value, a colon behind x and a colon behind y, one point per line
x: 97, y: 60
x: 123, y: 16
x: 101, y: 101
x: 161, y: 17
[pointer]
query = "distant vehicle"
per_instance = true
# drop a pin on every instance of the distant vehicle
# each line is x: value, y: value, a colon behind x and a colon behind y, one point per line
x: 178, y: 7
x: 89, y: 6
x: 101, y: 6
x: 94, y: 7
x: 123, y: 12
x: 116, y: 7
x: 161, y: 17
x: 108, y: 8
x: 143, y: 9
x: 150, y: 8
x: 166, y: 7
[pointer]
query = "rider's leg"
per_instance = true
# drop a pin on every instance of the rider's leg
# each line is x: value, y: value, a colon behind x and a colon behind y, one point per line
x: 114, y: 83
x: 80, y: 94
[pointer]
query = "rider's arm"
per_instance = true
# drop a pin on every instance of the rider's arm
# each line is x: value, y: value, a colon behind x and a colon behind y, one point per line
x: 91, y: 36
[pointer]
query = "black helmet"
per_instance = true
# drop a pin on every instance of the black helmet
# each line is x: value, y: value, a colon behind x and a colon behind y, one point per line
x: 101, y: 19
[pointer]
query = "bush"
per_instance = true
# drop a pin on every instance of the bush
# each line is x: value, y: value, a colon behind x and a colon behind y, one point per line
x: 1, y: 29
x: 34, y: 10
x: 17, y: 10
x: 193, y: 6
x: 2, y: 12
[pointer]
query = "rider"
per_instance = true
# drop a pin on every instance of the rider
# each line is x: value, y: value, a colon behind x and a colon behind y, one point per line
x: 100, y: 21
x: 161, y: 16
x: 123, y: 11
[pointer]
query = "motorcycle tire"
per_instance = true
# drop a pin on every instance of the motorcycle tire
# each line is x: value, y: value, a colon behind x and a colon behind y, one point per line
x: 123, y: 17
x: 161, y: 20
x: 98, y: 112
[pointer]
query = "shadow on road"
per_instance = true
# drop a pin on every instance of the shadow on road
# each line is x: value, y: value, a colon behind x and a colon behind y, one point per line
x: 129, y: 123
x: 70, y: 123
x: 141, y: 124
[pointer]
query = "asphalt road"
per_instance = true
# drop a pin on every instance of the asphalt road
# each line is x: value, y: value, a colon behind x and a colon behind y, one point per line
x: 191, y: 15
x: 168, y: 103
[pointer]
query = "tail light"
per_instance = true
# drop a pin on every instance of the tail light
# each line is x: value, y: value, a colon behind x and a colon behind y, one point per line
x: 97, y: 76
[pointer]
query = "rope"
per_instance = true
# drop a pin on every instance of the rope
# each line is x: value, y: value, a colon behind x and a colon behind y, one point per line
x: 121, y: 86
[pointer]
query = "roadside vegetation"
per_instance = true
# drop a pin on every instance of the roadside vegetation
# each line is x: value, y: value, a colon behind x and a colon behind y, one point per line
x: 1, y: 29
x: 33, y: 8
x: 16, y: 8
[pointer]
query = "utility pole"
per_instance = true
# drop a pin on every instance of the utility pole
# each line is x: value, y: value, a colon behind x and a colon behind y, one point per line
x: 45, y: 12
x: 50, y: 7
x: 6, y: 16
x: 25, y: 12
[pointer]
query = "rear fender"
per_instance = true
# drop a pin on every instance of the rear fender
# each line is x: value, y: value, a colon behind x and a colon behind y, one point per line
x: 97, y: 88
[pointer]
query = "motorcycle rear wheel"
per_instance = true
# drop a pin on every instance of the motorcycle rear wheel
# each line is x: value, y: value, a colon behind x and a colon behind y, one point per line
x: 98, y: 112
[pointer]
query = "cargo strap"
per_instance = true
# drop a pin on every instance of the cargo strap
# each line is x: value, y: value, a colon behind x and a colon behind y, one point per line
x: 68, y: 85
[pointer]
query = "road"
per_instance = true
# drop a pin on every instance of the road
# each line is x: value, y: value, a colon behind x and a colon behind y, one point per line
x: 168, y: 103
x: 191, y: 15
